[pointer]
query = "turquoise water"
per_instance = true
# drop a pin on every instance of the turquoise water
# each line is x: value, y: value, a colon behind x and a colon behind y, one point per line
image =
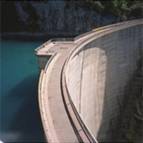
x: 19, y: 112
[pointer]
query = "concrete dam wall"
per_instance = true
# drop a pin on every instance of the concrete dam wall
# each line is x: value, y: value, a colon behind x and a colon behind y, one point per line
x: 97, y: 74
x: 83, y: 87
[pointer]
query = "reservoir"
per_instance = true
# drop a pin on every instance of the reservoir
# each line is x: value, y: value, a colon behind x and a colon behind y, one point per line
x: 19, y: 113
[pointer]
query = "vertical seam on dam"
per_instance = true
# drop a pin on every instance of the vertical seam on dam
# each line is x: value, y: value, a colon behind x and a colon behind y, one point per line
x: 81, y: 77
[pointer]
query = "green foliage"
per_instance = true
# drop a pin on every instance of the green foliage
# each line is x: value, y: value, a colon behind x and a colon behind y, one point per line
x: 121, y: 8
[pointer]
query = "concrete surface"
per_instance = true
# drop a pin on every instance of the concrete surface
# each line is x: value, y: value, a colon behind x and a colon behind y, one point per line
x: 82, y: 86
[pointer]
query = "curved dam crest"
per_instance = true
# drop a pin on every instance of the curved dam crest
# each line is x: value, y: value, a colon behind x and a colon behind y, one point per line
x: 85, y: 84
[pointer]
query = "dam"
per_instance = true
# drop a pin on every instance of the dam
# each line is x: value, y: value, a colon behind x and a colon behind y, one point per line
x: 90, y: 86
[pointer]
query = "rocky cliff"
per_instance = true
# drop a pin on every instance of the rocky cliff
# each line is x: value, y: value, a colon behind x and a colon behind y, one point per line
x: 56, y: 17
x: 65, y: 18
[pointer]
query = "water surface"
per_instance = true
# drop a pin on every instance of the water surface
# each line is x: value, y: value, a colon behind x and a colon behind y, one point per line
x: 19, y: 112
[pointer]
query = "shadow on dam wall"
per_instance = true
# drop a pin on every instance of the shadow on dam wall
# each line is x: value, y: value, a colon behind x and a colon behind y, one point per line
x: 128, y: 124
x: 131, y: 116
x: 125, y: 114
x: 131, y: 122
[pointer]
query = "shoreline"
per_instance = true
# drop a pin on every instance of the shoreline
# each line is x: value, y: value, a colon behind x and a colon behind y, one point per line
x: 28, y: 36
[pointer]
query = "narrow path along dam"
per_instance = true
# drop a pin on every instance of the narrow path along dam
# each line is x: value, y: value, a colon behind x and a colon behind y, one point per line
x: 91, y: 86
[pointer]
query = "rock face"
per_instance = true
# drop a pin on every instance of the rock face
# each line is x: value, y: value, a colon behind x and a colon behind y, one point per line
x: 55, y: 17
